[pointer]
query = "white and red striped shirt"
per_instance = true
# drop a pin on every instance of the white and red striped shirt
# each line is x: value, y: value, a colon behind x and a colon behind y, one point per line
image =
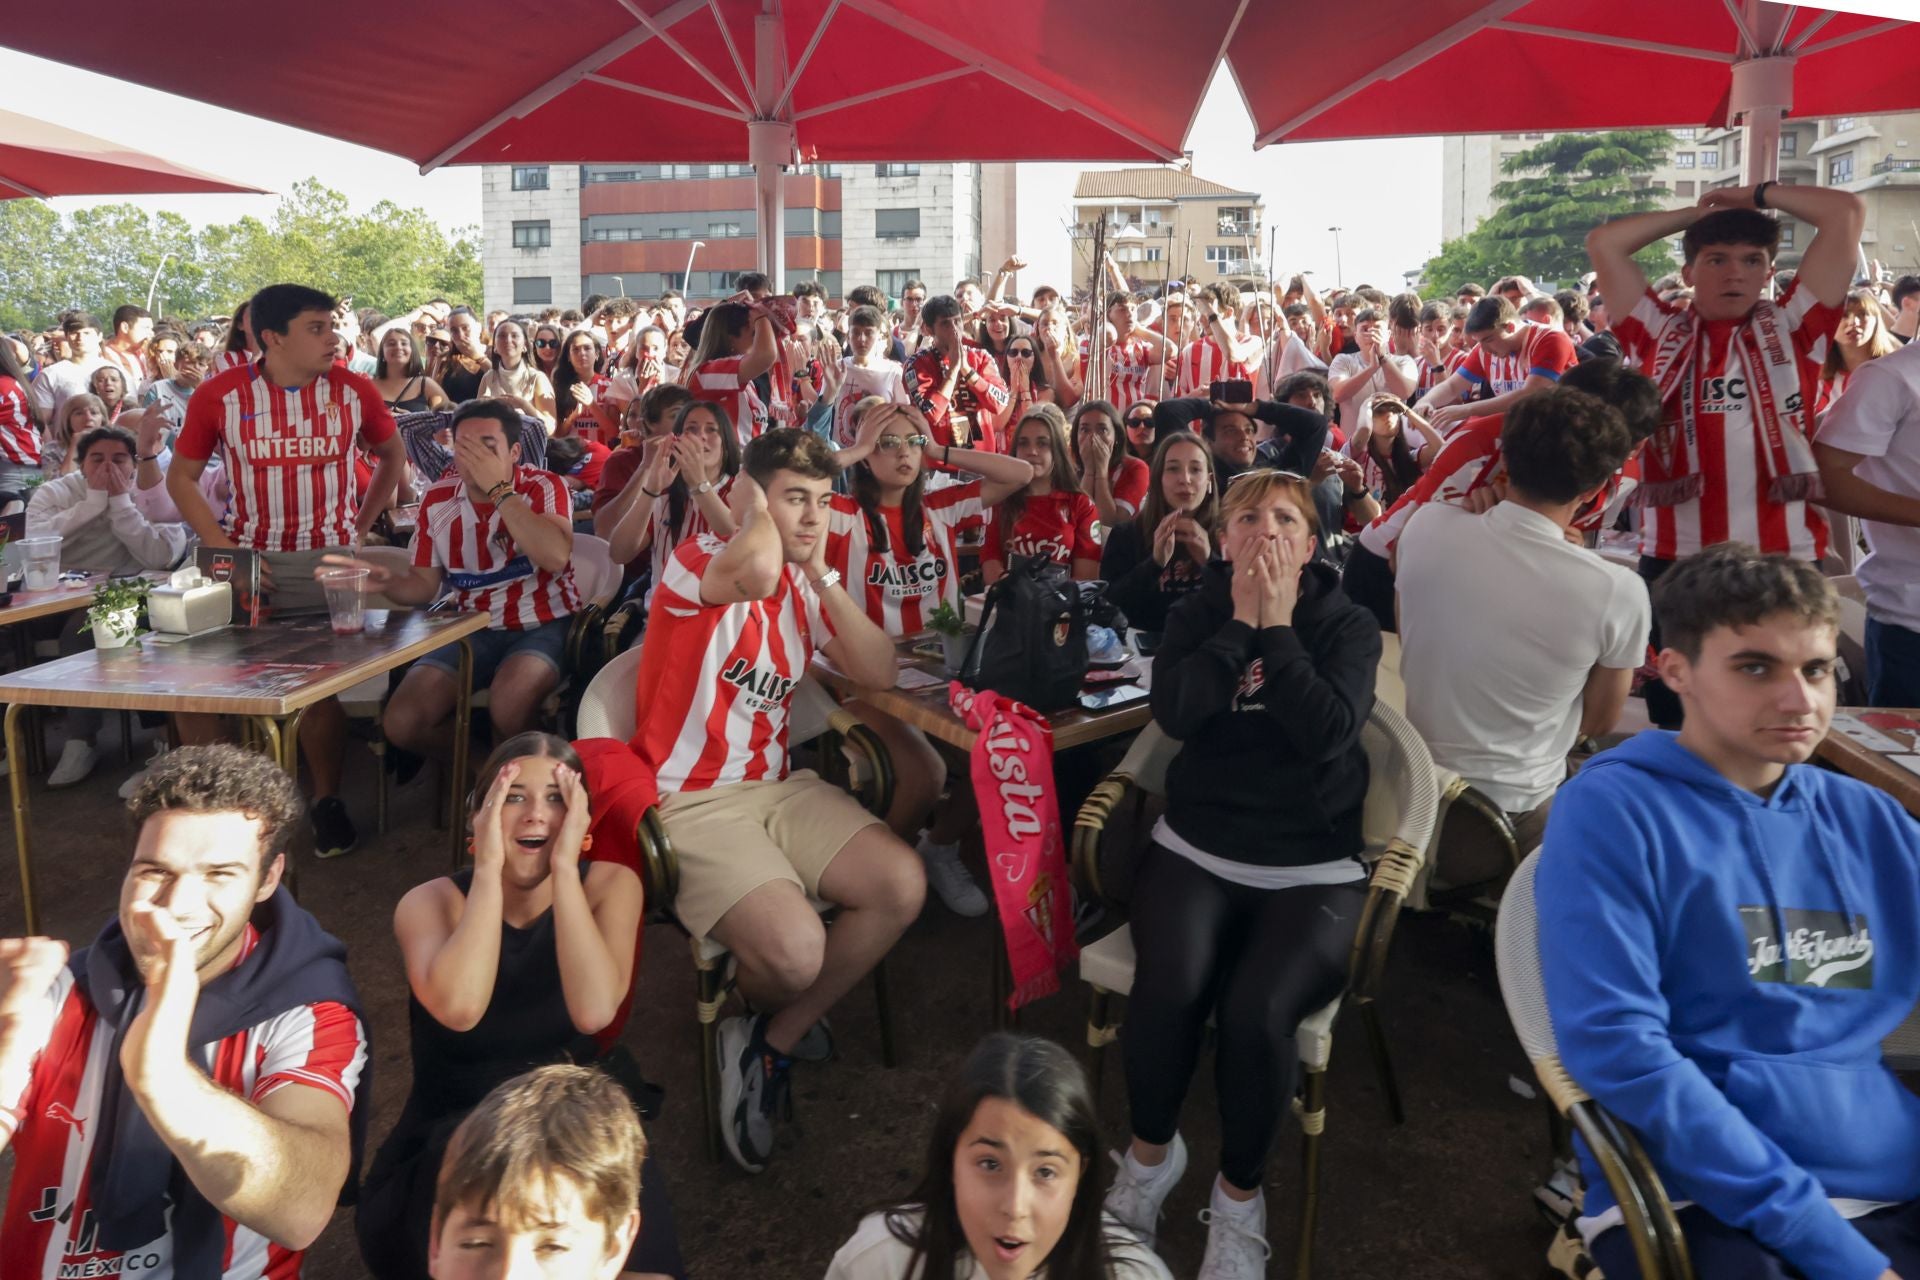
x: 132, y: 366
x: 19, y: 441
x: 720, y: 381
x: 899, y: 593
x: 49, y: 1228
x: 289, y: 452
x: 1131, y: 366
x: 1733, y: 505
x: 221, y: 361
x: 715, y: 680
x: 1544, y: 351
x: 693, y: 523
x: 1432, y: 375
x: 1203, y: 363
x: 485, y: 571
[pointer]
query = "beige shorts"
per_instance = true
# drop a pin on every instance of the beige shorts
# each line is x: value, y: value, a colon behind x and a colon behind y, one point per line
x: 295, y: 590
x: 730, y: 840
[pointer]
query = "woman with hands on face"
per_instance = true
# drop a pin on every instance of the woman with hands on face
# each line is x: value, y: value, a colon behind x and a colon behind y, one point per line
x: 522, y: 959
x: 685, y: 477
x: 1115, y: 480
x: 1246, y: 902
x: 1154, y: 560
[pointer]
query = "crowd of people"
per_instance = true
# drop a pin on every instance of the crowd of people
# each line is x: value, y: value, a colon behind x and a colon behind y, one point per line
x: 1268, y: 483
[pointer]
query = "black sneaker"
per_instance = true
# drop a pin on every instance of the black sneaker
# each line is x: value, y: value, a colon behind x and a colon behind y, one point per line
x: 333, y: 832
x: 753, y: 1085
x: 816, y: 1045
x: 404, y: 765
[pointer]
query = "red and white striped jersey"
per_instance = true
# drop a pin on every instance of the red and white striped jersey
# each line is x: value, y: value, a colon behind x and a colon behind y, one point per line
x: 1432, y: 375
x: 19, y: 441
x: 693, y: 523
x: 1131, y: 367
x: 1056, y: 525
x: 1544, y: 351
x: 1734, y: 504
x: 715, y: 680
x: 1203, y: 363
x: 221, y: 361
x: 899, y: 593
x: 49, y: 1228
x: 289, y: 452
x: 133, y: 367
x: 720, y: 381
x: 484, y: 570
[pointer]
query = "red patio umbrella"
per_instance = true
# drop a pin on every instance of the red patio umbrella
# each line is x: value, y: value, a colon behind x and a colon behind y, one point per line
x: 1485, y: 66
x: 576, y: 81
x: 42, y: 159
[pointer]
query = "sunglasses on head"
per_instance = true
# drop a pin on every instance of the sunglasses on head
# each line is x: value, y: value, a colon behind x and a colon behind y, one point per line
x: 892, y: 443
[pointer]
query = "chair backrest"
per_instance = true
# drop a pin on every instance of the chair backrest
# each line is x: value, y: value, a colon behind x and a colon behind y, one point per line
x: 1516, y: 953
x: 1388, y: 686
x: 607, y: 707
x: 397, y: 558
x: 1147, y: 760
x: 594, y: 571
x: 1403, y: 791
x: 809, y: 713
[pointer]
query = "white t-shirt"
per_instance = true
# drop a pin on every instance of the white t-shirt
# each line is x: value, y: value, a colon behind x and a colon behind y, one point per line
x: 58, y: 383
x: 1501, y: 620
x: 1356, y: 405
x: 1285, y: 356
x: 875, y: 1253
x: 884, y: 378
x: 1879, y: 417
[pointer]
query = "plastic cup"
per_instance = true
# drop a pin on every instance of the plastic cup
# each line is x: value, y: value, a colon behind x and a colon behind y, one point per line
x: 346, y: 600
x: 40, y: 560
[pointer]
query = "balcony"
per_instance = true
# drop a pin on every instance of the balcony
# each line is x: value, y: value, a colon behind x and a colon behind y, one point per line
x: 1231, y: 228
x: 1897, y: 164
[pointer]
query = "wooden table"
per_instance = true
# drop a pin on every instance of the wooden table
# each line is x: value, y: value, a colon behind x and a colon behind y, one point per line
x: 1851, y: 748
x: 267, y: 675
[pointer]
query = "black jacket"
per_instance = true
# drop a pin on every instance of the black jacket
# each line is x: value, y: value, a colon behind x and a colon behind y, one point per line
x: 1145, y: 591
x: 1272, y: 771
x: 1299, y: 434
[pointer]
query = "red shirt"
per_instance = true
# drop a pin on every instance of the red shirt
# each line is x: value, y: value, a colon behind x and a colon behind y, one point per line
x: 289, y: 452
x: 927, y: 373
x: 485, y: 571
x: 19, y: 441
x: 1130, y: 483
x: 715, y: 680
x: 899, y: 593
x: 1056, y: 525
x: 720, y: 381
x: 1543, y: 351
x: 664, y: 538
x: 49, y: 1225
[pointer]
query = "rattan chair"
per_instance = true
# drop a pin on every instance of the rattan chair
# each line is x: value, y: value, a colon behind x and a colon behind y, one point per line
x: 850, y: 753
x: 1401, y: 806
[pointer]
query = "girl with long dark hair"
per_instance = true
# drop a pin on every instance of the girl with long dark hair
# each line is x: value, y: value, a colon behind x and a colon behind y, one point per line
x: 19, y: 439
x: 515, y: 378
x: 1011, y: 1189
x: 400, y: 375
x: 737, y: 345
x: 1112, y: 477
x: 1026, y: 374
x: 578, y: 383
x: 1154, y: 560
x: 1052, y: 515
x: 685, y: 478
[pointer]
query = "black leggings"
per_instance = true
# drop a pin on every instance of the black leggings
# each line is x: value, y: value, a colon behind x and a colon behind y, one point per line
x: 1259, y: 960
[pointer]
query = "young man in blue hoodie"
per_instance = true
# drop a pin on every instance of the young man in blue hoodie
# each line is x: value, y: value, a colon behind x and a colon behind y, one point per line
x: 1727, y: 935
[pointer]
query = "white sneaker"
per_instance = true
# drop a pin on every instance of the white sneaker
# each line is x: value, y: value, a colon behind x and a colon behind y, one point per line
x: 132, y: 784
x: 1138, y: 1191
x: 1236, y: 1239
x: 77, y: 759
x: 951, y: 880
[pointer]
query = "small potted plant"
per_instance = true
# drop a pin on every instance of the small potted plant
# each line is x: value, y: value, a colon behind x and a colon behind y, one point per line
x: 115, y: 612
x: 955, y: 635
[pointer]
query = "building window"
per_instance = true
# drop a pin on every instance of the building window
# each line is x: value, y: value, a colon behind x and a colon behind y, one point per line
x: 1153, y: 254
x: 1843, y: 124
x: 1840, y: 168
x: 530, y: 177
x: 532, y: 235
x: 1510, y: 137
x: 1786, y: 233
x: 896, y: 224
x: 801, y: 221
x: 896, y: 171
x: 1227, y: 259
x: 676, y: 233
x: 1710, y: 159
x: 1683, y: 160
x: 716, y: 283
x: 1789, y: 145
x: 894, y: 283
x: 829, y: 224
x: 532, y: 290
x: 1684, y: 188
x: 722, y: 229
x: 1686, y: 135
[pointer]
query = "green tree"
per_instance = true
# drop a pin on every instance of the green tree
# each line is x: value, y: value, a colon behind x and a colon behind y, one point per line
x: 98, y: 258
x: 1554, y: 194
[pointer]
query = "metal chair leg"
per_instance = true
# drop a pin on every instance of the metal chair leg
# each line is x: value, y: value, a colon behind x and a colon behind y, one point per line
x: 885, y: 1012
x: 379, y: 747
x: 1382, y: 1060
x: 1313, y: 1119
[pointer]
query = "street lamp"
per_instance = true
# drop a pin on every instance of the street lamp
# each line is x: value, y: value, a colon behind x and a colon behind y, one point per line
x: 686, y: 279
x: 155, y: 282
x: 1339, y: 272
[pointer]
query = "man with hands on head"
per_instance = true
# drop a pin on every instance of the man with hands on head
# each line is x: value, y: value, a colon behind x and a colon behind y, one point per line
x: 184, y: 1097
x: 499, y: 537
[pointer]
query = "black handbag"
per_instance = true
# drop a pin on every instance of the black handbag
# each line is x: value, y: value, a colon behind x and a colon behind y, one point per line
x: 1032, y: 642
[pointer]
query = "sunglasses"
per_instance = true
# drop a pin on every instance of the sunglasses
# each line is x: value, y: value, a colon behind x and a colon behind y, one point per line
x: 545, y: 342
x: 436, y: 342
x: 893, y: 444
x: 1019, y: 353
x: 1140, y: 422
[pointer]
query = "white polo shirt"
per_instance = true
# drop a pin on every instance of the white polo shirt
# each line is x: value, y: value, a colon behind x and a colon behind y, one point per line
x: 1501, y: 619
x: 1879, y: 417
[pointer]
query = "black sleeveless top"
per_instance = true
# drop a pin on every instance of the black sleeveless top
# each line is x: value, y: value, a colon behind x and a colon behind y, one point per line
x: 526, y: 1025
x: 414, y: 403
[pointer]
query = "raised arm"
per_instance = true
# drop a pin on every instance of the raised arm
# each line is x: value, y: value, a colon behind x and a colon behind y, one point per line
x: 596, y: 918
x: 1838, y: 218
x: 1611, y: 246
x: 749, y: 566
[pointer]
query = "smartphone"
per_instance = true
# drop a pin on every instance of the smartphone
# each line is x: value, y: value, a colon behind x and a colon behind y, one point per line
x: 1108, y: 699
x: 1231, y: 391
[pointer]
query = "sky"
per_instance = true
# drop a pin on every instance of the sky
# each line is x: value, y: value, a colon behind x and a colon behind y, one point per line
x: 1307, y: 187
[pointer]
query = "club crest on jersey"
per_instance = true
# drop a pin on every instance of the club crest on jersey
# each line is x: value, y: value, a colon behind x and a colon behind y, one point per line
x: 764, y: 689
x: 1250, y: 681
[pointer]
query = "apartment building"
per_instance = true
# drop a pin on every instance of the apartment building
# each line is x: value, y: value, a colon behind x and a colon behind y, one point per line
x: 1163, y: 221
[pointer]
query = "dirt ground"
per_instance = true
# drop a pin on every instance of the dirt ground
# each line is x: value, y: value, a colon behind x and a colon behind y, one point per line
x: 1445, y: 1195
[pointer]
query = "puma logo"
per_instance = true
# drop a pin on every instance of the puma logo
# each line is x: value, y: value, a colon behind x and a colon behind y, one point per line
x: 58, y: 1111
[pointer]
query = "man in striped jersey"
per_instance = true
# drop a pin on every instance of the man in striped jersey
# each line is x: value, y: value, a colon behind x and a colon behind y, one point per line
x: 498, y: 536
x: 1509, y: 358
x: 1733, y: 460
x: 184, y: 1097
x: 287, y: 425
x: 733, y: 628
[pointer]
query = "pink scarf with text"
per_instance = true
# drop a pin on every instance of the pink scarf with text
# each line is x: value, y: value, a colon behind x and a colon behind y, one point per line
x: 1020, y: 822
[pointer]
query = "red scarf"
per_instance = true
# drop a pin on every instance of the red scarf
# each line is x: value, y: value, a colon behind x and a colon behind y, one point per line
x: 1020, y: 820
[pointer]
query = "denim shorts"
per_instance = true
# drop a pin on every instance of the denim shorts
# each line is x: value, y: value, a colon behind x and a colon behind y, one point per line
x: 492, y: 647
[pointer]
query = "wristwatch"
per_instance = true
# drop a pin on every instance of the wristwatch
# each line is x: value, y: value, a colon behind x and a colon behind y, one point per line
x: 705, y: 486
x: 831, y: 578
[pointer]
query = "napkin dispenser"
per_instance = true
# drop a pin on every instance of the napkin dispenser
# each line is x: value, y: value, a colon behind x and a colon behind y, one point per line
x: 190, y: 603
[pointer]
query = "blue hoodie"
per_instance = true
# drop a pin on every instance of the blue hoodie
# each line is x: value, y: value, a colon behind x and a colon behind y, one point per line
x: 1750, y: 1070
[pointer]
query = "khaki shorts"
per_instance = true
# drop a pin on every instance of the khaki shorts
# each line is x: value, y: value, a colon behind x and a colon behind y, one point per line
x: 295, y: 590
x: 730, y: 840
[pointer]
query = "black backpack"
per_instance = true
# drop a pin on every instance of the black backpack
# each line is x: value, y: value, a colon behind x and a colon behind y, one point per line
x: 1032, y: 642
